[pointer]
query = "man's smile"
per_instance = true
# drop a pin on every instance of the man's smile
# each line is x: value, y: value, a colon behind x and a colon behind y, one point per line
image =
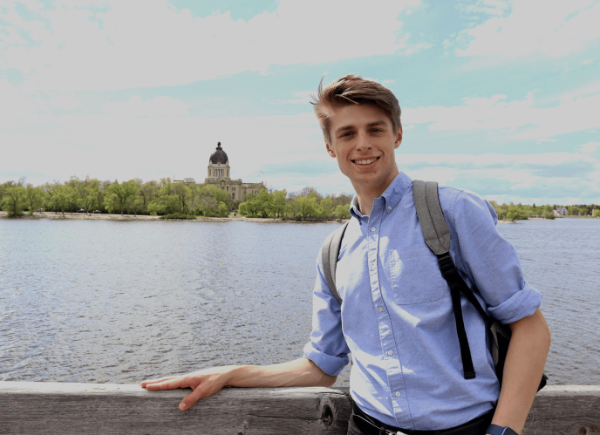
x: 365, y: 161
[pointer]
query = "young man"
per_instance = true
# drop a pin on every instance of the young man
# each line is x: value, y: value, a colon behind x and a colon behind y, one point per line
x: 397, y: 318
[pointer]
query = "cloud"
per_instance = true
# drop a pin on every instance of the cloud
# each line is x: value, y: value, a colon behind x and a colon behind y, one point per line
x: 517, y: 118
x: 158, y: 106
x: 590, y: 147
x: 553, y: 29
x: 302, y: 97
x: 541, y: 178
x: 118, y: 45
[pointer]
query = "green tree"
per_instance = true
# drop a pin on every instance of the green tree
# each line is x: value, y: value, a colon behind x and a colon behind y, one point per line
x: 183, y: 194
x: 62, y: 198
x: 120, y: 195
x: 596, y: 212
x: 223, y: 210
x: 14, y: 199
x: 33, y: 198
x: 515, y: 213
x: 278, y: 205
x: 327, y: 208
x: 342, y: 211
x: 307, y: 206
x: 147, y: 192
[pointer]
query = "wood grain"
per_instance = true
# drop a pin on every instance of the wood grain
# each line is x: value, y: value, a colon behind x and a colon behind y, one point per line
x: 565, y: 410
x: 57, y: 408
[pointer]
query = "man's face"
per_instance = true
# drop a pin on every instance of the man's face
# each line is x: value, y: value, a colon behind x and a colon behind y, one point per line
x: 363, y: 141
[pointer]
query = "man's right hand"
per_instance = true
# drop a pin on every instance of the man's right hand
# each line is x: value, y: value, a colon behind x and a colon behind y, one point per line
x: 204, y: 383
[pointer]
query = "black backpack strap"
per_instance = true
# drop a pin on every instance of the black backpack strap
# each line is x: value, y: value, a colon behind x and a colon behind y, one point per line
x: 329, y: 254
x: 437, y: 236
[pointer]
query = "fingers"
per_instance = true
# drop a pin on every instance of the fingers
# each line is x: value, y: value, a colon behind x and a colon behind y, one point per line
x: 152, y: 383
x: 200, y: 392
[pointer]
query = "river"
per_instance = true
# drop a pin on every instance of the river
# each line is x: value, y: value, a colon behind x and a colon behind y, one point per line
x: 118, y: 302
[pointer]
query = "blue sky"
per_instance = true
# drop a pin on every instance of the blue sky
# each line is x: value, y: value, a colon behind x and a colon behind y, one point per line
x: 499, y: 97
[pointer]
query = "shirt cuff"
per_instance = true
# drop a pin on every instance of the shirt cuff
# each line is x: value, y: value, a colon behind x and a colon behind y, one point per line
x: 331, y: 365
x: 522, y: 304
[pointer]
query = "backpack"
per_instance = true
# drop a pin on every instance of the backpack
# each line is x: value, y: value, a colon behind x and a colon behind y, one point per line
x: 437, y: 236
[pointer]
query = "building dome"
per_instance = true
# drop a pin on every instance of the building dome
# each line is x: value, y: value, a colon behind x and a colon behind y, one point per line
x: 219, y: 156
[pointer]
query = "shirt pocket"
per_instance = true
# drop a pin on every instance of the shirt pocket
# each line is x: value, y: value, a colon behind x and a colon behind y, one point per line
x: 415, y: 276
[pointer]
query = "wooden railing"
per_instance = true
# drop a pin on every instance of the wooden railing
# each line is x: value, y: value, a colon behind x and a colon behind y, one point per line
x: 58, y: 408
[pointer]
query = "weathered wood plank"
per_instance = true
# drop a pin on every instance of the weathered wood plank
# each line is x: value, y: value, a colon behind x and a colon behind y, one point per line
x: 55, y: 408
x: 565, y: 410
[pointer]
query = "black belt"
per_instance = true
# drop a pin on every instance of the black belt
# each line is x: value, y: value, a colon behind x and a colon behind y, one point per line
x: 371, y: 426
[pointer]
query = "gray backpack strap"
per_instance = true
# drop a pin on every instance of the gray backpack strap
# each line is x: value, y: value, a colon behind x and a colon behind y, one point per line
x: 431, y: 218
x: 437, y: 236
x: 330, y: 252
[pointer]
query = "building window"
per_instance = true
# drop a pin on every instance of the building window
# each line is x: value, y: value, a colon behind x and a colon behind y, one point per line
x: 233, y: 189
x: 233, y: 196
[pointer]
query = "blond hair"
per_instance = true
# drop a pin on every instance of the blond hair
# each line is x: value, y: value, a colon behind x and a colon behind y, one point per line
x: 352, y: 89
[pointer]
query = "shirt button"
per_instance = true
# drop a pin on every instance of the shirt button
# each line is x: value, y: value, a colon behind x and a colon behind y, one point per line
x: 373, y: 229
x: 380, y: 309
x: 390, y: 208
x: 398, y: 394
x: 390, y: 352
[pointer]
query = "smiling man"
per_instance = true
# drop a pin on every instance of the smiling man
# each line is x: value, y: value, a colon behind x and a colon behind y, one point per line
x: 397, y: 317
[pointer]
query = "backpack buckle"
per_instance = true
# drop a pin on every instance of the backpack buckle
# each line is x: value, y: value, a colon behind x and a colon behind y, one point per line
x: 446, y: 264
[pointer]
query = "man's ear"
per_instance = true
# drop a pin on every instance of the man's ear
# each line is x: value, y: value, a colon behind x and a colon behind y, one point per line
x: 330, y: 149
x: 398, y: 138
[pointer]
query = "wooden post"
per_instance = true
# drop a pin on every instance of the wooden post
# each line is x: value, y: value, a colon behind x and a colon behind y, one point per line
x: 56, y: 408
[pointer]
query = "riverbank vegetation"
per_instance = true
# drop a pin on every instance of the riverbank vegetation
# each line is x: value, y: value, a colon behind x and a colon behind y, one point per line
x: 166, y: 199
x: 178, y: 201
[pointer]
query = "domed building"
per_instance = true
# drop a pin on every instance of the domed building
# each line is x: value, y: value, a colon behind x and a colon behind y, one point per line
x: 219, y: 174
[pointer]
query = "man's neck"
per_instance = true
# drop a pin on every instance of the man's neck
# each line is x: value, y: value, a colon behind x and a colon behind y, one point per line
x: 366, y: 194
x: 365, y: 200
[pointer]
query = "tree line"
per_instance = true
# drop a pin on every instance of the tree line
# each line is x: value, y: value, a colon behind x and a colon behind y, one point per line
x: 165, y: 198
x: 512, y: 212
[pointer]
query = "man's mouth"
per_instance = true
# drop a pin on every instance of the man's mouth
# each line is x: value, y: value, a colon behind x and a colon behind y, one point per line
x: 366, y: 161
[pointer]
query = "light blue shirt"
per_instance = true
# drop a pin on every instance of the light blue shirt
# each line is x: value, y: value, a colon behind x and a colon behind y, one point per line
x: 397, y: 318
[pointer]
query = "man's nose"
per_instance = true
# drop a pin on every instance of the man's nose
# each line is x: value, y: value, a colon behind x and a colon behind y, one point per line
x: 362, y: 142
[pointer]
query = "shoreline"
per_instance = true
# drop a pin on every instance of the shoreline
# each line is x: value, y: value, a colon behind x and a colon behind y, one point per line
x: 140, y: 217
x: 238, y: 218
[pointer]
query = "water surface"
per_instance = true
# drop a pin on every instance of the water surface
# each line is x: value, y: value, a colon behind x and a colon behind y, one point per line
x: 109, y: 301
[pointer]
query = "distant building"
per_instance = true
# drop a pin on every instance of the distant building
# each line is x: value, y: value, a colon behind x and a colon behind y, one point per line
x: 560, y: 211
x: 219, y: 175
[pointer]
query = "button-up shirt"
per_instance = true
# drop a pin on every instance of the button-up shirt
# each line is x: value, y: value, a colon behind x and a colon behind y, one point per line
x: 397, y: 320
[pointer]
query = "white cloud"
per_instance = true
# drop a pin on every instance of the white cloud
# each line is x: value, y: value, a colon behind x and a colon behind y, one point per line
x: 135, y: 106
x: 149, y: 43
x: 590, y: 147
x: 519, y: 118
x: 561, y: 178
x: 302, y: 97
x: 533, y: 26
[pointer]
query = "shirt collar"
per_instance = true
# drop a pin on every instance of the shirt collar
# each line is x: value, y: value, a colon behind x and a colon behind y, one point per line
x: 392, y: 195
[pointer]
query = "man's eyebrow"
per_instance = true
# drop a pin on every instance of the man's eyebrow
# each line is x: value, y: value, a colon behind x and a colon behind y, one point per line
x: 351, y: 127
x: 343, y: 128
x: 374, y: 123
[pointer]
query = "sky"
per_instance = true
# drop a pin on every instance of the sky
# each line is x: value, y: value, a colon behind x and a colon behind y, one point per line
x: 498, y: 97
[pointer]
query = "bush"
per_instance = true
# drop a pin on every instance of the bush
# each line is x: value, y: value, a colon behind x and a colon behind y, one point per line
x: 177, y: 216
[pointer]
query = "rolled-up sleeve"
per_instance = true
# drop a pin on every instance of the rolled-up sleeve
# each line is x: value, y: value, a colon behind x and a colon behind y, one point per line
x: 327, y: 347
x: 488, y: 260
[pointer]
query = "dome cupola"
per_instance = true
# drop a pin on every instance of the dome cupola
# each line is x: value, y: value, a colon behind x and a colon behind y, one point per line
x: 219, y: 156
